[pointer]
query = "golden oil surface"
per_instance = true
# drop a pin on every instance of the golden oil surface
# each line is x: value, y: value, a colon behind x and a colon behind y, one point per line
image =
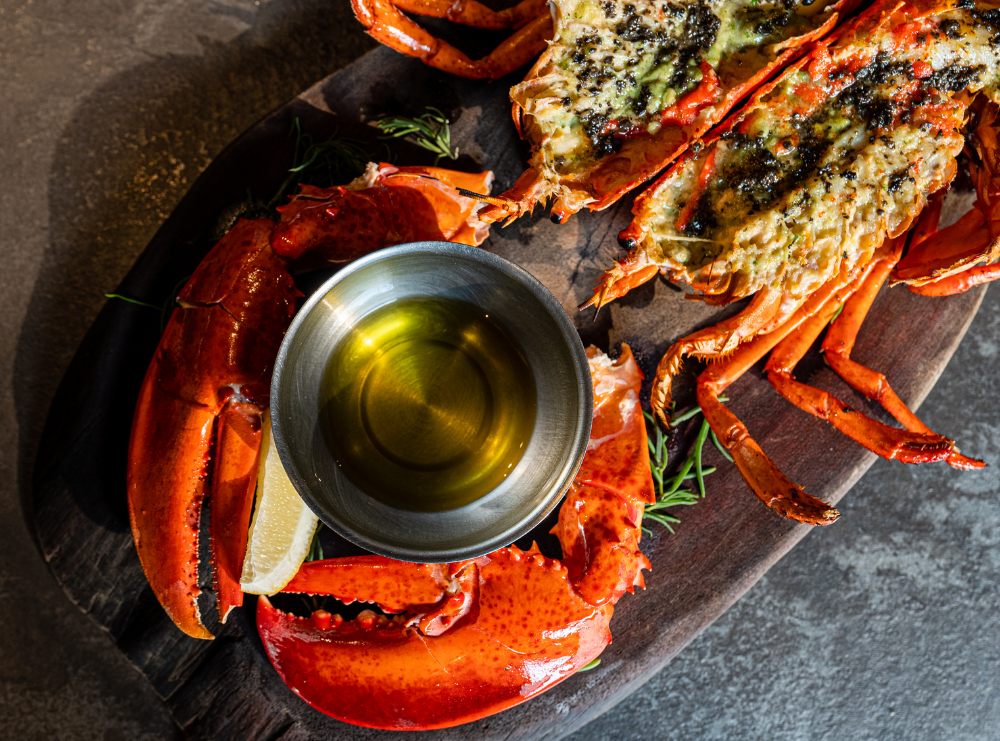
x: 428, y: 404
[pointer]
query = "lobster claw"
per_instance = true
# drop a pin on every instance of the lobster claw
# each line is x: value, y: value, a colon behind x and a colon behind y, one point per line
x: 204, y: 391
x: 465, y: 640
x: 386, y: 205
x: 436, y: 670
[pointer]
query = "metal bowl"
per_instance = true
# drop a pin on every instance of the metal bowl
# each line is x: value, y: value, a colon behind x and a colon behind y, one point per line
x: 526, y: 310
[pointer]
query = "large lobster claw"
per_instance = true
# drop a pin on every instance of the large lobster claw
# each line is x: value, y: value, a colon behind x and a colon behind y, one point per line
x: 520, y: 629
x: 197, y: 426
x: 213, y: 363
x: 462, y: 641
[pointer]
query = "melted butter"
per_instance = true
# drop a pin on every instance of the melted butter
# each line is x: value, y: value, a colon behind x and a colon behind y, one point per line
x: 428, y: 404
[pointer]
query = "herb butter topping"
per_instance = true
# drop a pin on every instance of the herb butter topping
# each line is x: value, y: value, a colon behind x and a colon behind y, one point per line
x: 829, y: 162
x: 618, y: 65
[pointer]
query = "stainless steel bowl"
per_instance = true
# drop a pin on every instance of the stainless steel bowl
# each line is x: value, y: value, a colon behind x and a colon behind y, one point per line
x: 526, y: 310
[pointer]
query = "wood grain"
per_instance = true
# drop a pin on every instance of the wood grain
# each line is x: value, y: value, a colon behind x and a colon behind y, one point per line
x: 226, y: 688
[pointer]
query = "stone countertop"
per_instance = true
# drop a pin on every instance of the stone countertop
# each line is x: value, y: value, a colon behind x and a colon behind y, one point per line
x: 886, y: 625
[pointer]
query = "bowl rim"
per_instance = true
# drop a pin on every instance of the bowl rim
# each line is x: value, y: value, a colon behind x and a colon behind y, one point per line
x: 579, y: 444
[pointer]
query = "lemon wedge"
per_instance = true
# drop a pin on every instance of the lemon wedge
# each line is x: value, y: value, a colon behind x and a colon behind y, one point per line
x: 282, y: 528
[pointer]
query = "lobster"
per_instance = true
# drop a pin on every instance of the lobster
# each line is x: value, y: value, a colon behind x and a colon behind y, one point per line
x: 196, y: 431
x: 826, y: 185
x: 459, y: 641
x: 622, y: 87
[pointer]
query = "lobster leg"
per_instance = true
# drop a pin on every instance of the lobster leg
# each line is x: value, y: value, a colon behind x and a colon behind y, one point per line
x: 960, y: 282
x: 477, y: 15
x: 763, y: 477
x: 383, y: 22
x: 386, y: 205
x: 888, y: 442
x: 712, y: 342
x: 839, y: 342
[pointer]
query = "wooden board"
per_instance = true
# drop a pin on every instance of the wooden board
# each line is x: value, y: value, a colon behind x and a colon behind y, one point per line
x: 227, y: 688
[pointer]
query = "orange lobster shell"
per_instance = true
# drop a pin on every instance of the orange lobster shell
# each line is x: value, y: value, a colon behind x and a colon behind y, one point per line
x: 466, y: 640
x: 196, y: 431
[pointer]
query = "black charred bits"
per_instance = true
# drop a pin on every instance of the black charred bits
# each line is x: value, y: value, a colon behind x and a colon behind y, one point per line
x: 703, y: 219
x: 683, y: 42
x: 632, y: 28
x: 897, y: 179
x: 595, y: 126
x: 990, y: 19
x: 864, y: 96
x: 700, y: 31
x: 951, y: 29
x: 955, y: 78
x: 761, y: 178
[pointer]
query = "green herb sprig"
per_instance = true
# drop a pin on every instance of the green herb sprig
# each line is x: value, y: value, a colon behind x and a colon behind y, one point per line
x: 316, y: 547
x: 164, y: 309
x: 836, y: 314
x: 430, y: 131
x: 668, y: 490
x: 337, y: 160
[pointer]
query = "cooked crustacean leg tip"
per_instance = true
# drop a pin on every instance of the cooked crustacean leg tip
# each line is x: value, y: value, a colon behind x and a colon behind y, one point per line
x: 829, y: 516
x: 661, y: 396
x: 384, y: 22
x: 806, y: 509
x: 964, y: 462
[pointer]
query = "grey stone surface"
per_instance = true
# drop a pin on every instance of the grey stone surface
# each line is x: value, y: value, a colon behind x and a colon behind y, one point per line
x: 883, y: 626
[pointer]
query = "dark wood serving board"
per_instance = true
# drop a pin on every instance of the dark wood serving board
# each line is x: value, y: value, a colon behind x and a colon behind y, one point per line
x: 227, y: 688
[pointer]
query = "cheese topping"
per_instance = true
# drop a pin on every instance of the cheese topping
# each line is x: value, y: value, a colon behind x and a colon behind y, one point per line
x: 619, y: 65
x: 824, y: 168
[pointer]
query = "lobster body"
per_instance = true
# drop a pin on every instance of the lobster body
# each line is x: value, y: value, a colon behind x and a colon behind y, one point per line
x: 824, y: 186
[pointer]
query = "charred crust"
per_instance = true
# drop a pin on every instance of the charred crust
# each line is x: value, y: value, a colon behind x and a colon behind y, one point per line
x: 954, y: 79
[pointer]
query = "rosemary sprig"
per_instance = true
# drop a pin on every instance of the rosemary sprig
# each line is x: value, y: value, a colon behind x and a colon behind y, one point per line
x: 316, y: 548
x: 163, y: 308
x: 429, y: 131
x: 337, y: 160
x: 135, y: 301
x: 668, y: 491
